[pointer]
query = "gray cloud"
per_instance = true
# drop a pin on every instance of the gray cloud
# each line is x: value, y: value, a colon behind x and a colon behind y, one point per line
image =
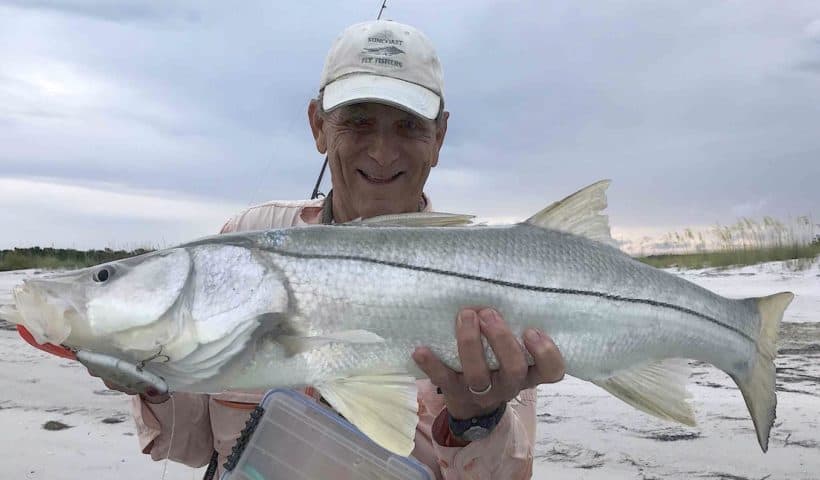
x: 120, y: 11
x: 697, y: 112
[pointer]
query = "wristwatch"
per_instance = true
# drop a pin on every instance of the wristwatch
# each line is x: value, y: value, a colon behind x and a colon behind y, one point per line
x: 476, y: 428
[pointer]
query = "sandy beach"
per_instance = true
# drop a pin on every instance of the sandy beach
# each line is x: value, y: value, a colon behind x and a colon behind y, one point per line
x: 583, y: 432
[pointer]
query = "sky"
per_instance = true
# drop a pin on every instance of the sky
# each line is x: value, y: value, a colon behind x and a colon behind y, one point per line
x: 148, y: 123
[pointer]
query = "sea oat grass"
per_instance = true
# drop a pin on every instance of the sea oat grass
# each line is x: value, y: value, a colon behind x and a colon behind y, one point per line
x: 805, y: 256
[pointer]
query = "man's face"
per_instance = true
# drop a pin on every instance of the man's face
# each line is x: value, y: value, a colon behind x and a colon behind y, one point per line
x: 379, y: 157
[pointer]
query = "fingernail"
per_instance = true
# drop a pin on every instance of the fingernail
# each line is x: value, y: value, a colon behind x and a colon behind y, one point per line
x: 468, y: 318
x: 532, y: 335
x: 488, y: 316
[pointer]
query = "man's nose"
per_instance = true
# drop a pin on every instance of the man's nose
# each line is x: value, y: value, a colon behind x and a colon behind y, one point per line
x: 384, y: 148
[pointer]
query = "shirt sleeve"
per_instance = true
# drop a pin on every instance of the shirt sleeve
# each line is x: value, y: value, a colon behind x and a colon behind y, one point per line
x: 178, y: 429
x: 504, y: 454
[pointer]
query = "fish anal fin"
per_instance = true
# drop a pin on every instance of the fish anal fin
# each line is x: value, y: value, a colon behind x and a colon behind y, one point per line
x: 383, y: 407
x: 658, y: 389
x: 579, y: 214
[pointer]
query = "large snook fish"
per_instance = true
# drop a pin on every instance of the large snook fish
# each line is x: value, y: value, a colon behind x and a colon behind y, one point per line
x: 342, y: 308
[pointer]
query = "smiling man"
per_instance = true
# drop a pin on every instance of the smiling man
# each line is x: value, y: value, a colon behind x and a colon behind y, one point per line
x: 380, y: 119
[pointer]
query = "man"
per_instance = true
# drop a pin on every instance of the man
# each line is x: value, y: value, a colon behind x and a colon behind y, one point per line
x: 380, y: 120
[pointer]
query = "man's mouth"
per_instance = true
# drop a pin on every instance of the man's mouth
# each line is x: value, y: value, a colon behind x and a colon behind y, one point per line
x: 379, y: 180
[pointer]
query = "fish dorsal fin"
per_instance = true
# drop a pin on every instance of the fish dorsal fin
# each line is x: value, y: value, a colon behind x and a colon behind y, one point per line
x: 579, y: 213
x: 419, y: 219
x: 658, y: 389
x: 384, y: 407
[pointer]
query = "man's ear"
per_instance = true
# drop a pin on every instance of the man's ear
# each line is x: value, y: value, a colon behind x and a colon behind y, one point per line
x: 317, y: 123
x: 441, y: 132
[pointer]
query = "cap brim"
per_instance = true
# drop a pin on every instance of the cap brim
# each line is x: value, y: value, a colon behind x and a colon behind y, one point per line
x: 365, y: 87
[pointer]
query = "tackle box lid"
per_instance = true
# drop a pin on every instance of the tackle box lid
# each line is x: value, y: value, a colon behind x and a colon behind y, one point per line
x: 291, y: 436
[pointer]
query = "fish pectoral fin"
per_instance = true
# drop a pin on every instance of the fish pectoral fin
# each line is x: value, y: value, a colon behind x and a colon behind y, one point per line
x: 579, y: 214
x: 384, y: 407
x: 658, y: 389
x: 417, y: 219
x: 297, y: 344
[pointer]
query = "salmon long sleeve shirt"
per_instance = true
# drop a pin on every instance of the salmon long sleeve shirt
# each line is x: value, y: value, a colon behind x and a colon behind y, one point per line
x: 204, y: 423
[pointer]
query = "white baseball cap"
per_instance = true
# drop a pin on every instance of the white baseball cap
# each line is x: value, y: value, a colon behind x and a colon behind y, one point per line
x: 385, y: 62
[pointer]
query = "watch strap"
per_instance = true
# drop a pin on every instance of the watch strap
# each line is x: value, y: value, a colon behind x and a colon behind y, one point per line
x: 484, y: 422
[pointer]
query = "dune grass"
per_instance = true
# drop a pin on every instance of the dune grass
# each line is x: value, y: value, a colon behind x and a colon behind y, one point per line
x: 60, y: 258
x: 747, y: 242
x: 804, y: 255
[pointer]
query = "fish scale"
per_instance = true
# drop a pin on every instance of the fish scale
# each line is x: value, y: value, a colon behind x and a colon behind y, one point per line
x: 366, y: 270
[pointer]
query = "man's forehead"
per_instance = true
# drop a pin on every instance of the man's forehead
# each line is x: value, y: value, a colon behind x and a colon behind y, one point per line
x: 377, y: 108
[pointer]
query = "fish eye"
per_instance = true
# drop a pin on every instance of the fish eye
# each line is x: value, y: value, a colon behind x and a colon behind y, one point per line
x: 102, y: 275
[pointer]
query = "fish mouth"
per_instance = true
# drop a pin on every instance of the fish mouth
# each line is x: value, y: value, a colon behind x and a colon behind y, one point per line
x: 48, y: 317
x: 379, y: 179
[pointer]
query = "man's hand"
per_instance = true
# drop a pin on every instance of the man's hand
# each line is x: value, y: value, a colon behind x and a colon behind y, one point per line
x: 504, y: 384
x: 150, y: 395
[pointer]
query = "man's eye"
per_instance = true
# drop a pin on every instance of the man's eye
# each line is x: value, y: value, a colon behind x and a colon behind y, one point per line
x: 411, y: 124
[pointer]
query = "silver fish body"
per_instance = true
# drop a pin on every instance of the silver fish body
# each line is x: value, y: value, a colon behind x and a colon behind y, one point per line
x: 605, y: 311
x: 326, y: 305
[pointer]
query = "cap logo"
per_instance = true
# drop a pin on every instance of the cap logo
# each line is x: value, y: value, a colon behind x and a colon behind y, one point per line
x: 380, y: 48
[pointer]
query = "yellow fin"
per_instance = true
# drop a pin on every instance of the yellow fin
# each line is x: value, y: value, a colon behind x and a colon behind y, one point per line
x: 757, y: 386
x: 420, y: 219
x: 579, y: 214
x: 658, y: 389
x: 384, y: 407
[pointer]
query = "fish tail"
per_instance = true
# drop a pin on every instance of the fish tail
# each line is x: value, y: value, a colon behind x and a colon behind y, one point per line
x: 758, y: 384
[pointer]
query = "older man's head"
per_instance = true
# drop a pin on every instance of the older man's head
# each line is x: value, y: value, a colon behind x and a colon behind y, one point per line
x: 379, y: 118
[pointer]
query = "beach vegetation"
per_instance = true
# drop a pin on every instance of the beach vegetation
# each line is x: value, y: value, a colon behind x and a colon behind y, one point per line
x: 747, y: 242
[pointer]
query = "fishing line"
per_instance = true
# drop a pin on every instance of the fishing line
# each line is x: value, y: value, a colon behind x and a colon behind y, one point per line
x: 171, y: 440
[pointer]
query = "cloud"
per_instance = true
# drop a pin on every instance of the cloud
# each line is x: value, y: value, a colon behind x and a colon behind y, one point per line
x: 813, y: 31
x: 47, y: 211
x: 119, y: 11
x: 692, y: 110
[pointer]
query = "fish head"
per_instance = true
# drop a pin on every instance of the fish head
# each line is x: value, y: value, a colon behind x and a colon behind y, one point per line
x: 83, y: 307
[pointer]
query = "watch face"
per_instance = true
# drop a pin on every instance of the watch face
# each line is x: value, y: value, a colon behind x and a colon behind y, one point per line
x: 475, y: 433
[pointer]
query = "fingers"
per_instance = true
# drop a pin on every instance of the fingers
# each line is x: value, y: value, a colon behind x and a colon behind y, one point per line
x: 512, y: 363
x: 471, y: 350
x: 440, y: 375
x: 549, y: 364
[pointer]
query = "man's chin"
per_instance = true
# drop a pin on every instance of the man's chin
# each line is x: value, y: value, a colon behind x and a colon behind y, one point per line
x: 381, y: 206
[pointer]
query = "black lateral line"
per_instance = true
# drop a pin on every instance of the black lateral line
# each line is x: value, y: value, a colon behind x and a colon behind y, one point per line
x: 519, y: 286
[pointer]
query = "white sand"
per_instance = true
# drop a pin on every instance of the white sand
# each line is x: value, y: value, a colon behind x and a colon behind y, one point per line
x: 583, y: 432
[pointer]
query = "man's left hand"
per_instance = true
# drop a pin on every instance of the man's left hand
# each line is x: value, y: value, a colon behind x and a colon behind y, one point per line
x: 505, y: 383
